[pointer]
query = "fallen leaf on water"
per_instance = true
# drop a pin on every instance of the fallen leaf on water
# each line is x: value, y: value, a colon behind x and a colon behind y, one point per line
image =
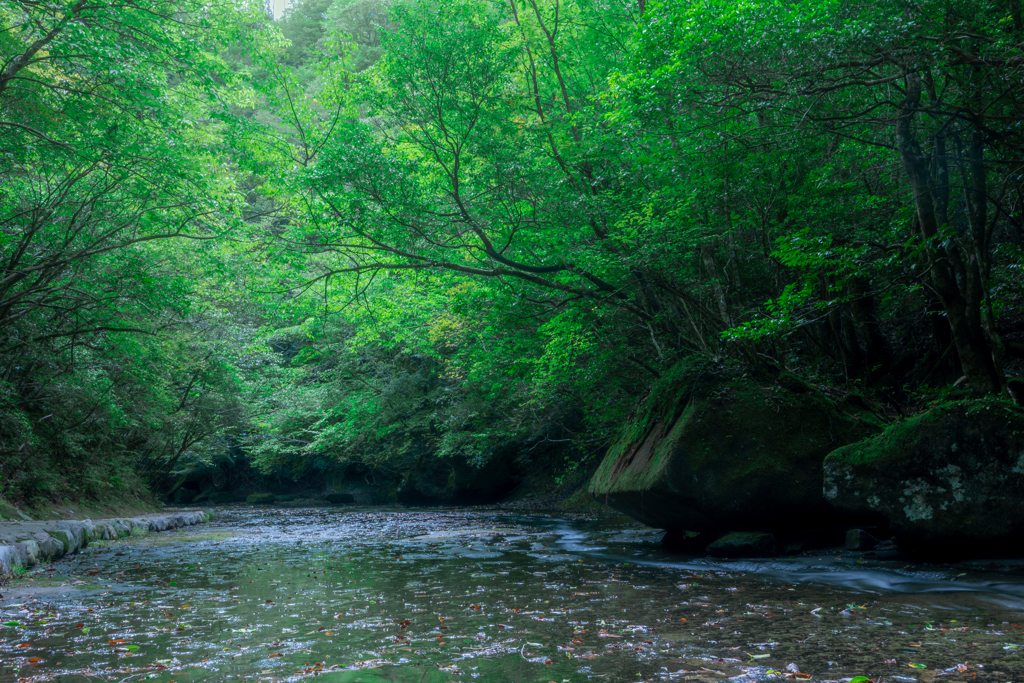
x: 860, y: 679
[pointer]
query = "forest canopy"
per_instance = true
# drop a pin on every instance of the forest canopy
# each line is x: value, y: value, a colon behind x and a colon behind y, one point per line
x: 385, y: 237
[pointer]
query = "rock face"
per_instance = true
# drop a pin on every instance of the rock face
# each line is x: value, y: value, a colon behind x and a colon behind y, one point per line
x: 716, y: 449
x: 952, y: 475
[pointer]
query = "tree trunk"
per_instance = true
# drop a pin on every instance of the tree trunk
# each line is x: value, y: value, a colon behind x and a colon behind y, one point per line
x: 963, y: 311
x: 716, y: 285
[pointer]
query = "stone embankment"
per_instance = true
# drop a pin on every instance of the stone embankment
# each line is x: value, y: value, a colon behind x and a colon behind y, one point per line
x: 24, y: 544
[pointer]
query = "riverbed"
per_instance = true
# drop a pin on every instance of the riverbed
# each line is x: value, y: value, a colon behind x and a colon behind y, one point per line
x: 372, y: 595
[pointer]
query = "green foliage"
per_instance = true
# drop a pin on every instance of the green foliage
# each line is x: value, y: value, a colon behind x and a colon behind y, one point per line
x: 394, y: 236
x: 115, y: 193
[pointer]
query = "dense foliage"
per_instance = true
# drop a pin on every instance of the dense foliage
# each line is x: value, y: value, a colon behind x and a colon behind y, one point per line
x: 413, y: 240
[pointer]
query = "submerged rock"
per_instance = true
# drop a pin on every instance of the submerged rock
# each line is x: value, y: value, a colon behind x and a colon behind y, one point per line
x: 744, y: 544
x: 949, y: 478
x: 718, y: 448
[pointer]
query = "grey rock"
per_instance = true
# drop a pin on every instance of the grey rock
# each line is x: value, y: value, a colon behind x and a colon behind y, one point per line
x: 66, y: 539
x: 21, y: 555
x: 9, y: 558
x: 31, y: 551
x: 49, y: 547
x: 77, y: 530
x: 92, y: 530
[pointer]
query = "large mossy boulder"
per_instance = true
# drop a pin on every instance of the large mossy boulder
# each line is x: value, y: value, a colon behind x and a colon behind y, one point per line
x: 950, y: 478
x: 721, y: 448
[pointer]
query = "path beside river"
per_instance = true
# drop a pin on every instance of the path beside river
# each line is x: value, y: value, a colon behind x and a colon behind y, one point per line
x: 23, y: 544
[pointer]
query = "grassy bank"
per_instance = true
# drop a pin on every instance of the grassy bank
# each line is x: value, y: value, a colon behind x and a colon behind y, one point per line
x: 117, y: 505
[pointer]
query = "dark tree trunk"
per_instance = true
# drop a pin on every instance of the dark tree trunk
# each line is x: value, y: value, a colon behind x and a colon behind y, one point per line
x: 962, y: 306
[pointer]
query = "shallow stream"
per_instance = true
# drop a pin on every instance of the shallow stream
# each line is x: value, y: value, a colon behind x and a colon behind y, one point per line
x: 417, y: 596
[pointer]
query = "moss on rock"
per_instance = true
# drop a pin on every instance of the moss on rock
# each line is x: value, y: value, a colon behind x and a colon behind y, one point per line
x: 720, y: 447
x: 953, y: 473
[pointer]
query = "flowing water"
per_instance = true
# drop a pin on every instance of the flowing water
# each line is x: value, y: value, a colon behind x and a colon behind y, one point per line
x: 439, y: 595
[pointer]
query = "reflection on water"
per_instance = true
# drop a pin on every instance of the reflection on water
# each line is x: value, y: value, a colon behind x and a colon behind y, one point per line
x: 418, y: 596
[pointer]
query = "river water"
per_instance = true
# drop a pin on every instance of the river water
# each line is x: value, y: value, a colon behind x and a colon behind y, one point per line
x: 372, y: 595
